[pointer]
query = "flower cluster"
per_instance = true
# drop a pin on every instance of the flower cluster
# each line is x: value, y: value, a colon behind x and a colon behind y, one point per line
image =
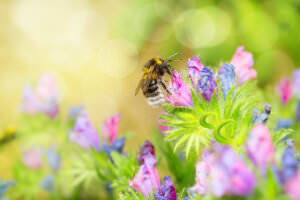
x: 43, y: 99
x: 147, y: 180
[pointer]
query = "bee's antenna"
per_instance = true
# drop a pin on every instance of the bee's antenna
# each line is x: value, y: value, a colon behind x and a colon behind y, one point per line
x: 174, y: 54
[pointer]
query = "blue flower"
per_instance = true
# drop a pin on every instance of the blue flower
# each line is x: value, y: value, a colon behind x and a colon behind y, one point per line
x: 4, y: 186
x: 117, y: 146
x: 227, y: 77
x: 206, y: 84
x: 47, y: 183
x: 53, y: 158
x: 166, y: 191
x: 283, y: 124
x: 263, y: 117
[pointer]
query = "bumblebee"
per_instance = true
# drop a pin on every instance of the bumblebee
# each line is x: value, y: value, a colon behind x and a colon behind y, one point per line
x: 151, y: 82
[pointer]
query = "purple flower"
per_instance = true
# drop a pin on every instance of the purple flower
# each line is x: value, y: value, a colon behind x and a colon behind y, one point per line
x: 195, y: 63
x: 260, y: 148
x: 206, y: 84
x: 298, y: 110
x: 146, y: 178
x: 166, y: 191
x: 180, y: 92
x: 223, y: 172
x: 291, y: 187
x: 227, y: 77
x: 296, y: 83
x: 32, y: 158
x: 84, y: 133
x: 47, y: 183
x: 243, y: 63
x: 146, y: 148
x: 53, y: 158
x: 31, y: 104
x: 289, y: 163
x: 284, y: 90
x: 283, y: 124
x: 43, y: 99
x: 195, y: 67
x: 110, y: 128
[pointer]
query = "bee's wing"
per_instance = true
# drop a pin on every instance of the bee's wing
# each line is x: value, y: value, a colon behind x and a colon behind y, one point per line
x: 141, y: 83
x: 145, y: 81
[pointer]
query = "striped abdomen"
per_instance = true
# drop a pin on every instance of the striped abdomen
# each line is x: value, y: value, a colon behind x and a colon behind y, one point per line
x: 154, y: 95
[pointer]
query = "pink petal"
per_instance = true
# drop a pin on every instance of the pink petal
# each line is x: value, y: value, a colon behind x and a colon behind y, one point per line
x: 32, y: 158
x: 110, y: 127
x: 260, y: 147
x: 284, y: 90
x: 292, y: 187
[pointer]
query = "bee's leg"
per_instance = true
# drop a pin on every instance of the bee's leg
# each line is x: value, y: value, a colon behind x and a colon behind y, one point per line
x: 169, y: 72
x: 162, y: 83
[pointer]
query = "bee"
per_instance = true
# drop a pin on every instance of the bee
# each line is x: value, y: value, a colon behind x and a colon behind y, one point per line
x: 151, y: 82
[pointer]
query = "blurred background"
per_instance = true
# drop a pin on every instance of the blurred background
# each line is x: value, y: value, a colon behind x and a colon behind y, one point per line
x: 96, y: 49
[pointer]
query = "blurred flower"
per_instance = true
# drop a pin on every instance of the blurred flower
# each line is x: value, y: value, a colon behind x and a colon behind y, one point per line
x: 260, y: 148
x: 202, y: 171
x: 284, y: 90
x: 291, y: 187
x: 206, y: 84
x: 47, y: 183
x: 263, y: 117
x: 146, y: 178
x: 243, y: 63
x: 110, y: 127
x: 223, y: 172
x: 296, y: 83
x: 180, y: 92
x: 195, y: 67
x: 289, y: 165
x: 30, y: 102
x: 162, y: 128
x: 166, y: 191
x: 53, y: 158
x: 44, y: 99
x: 298, y: 110
x: 5, y: 185
x: 84, y: 133
x: 74, y: 111
x: 283, y: 124
x: 117, y: 146
x: 32, y: 158
x: 227, y: 76
x: 145, y: 149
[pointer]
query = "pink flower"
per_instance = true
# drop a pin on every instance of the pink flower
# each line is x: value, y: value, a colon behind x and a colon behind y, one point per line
x: 223, y: 172
x: 32, y: 158
x: 31, y: 104
x: 291, y: 187
x: 296, y: 83
x: 260, y: 148
x: 284, y: 89
x: 47, y: 88
x: 243, y: 63
x: 195, y: 66
x: 180, y: 92
x: 147, y: 177
x: 43, y: 99
x: 84, y: 133
x: 110, y: 127
x: 202, y: 171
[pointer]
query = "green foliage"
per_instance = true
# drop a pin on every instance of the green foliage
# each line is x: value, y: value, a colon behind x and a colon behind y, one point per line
x: 182, y: 169
x: 227, y: 121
